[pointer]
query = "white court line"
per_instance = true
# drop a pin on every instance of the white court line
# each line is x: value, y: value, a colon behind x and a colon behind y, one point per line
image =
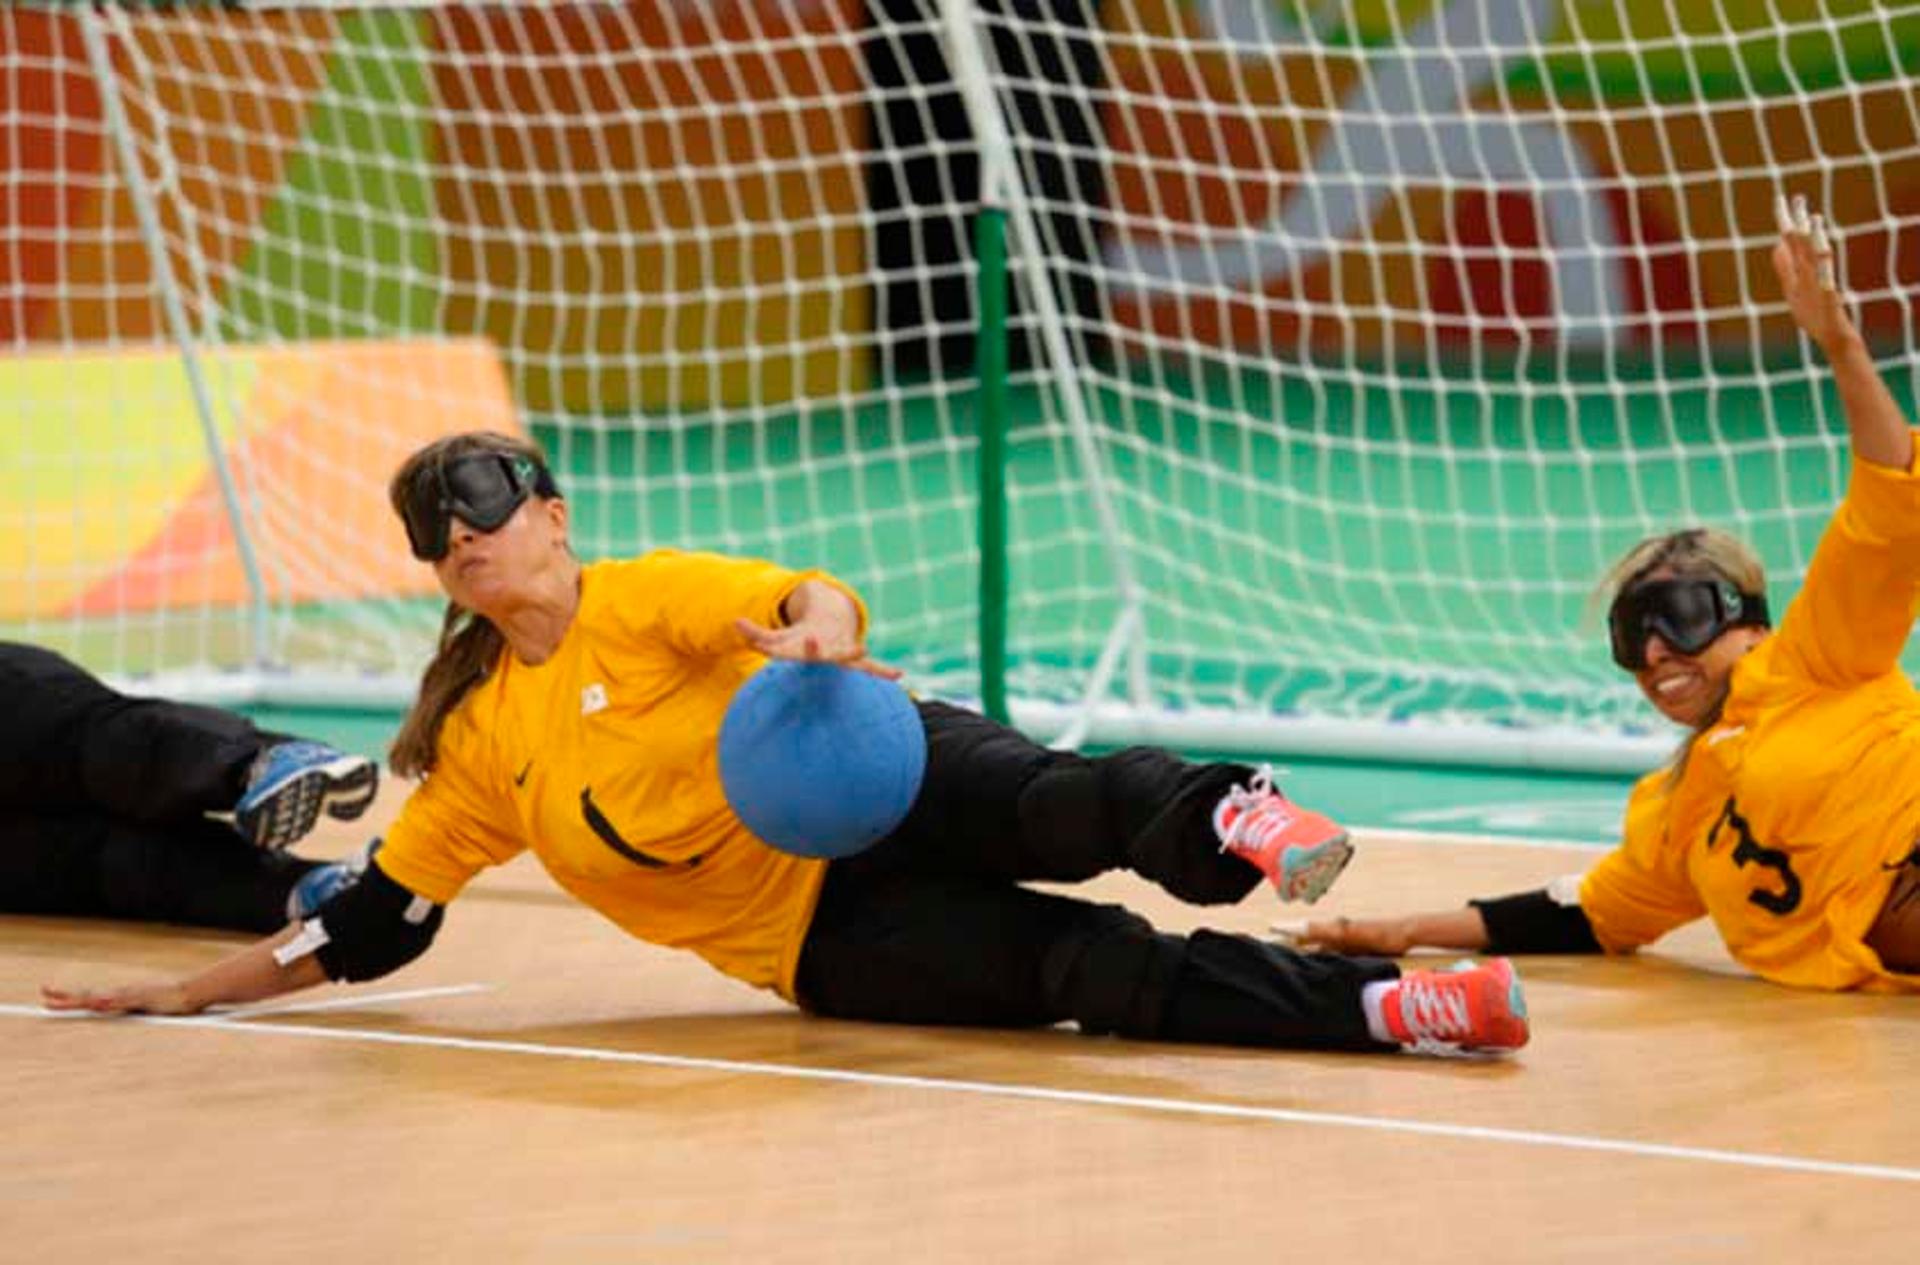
x: 348, y: 1003
x: 986, y: 1089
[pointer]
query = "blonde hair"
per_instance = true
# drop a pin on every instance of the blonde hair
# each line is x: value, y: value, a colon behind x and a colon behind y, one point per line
x: 469, y: 643
x: 1697, y: 553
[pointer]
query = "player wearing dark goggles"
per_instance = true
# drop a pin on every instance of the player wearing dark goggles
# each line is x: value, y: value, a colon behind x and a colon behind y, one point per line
x: 1689, y: 615
x: 482, y: 489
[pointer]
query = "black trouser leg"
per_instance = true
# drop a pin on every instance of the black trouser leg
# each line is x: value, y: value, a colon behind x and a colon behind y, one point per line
x: 88, y: 865
x: 931, y: 926
x: 910, y: 948
x: 995, y: 803
x: 69, y: 742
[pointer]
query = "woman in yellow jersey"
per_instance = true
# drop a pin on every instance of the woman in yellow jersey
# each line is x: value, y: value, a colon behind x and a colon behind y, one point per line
x: 1791, y: 816
x: 574, y: 711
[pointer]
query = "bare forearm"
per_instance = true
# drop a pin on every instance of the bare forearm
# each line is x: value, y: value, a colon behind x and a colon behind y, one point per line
x: 1807, y: 263
x: 1879, y: 430
x: 1392, y: 937
x: 1447, y: 929
x: 249, y: 975
x: 253, y: 974
x: 1538, y: 921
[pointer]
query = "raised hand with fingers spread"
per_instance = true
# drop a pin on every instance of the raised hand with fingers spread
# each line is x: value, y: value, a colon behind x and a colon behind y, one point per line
x: 1804, y: 260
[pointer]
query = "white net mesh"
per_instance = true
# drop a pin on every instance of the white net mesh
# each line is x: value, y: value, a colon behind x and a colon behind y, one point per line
x: 1400, y: 322
x: 1387, y: 325
x: 655, y: 214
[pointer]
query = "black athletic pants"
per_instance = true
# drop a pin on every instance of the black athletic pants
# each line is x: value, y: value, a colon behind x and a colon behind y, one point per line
x: 931, y: 924
x: 103, y: 802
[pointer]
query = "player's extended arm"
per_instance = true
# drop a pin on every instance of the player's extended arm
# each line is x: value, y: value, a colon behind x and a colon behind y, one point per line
x: 367, y: 930
x: 1854, y: 612
x: 1546, y: 920
x: 1391, y: 937
x: 249, y: 975
x: 1804, y: 262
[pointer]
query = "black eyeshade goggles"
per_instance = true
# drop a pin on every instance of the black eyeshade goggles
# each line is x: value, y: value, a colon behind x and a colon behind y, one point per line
x: 482, y: 489
x: 1688, y: 614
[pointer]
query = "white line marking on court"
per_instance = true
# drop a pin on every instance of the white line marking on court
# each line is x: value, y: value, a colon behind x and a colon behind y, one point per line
x: 1079, y: 1097
x: 348, y: 1003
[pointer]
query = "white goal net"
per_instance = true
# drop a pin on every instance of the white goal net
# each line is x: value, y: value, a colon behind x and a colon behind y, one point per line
x: 1351, y: 340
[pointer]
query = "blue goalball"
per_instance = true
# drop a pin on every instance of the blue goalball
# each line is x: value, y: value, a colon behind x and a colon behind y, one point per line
x: 820, y: 760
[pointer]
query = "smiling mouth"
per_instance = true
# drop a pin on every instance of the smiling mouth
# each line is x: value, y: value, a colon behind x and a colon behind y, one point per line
x: 1672, y: 686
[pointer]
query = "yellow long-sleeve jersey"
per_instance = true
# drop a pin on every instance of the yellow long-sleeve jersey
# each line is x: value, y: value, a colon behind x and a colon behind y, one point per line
x: 1788, y: 817
x: 603, y: 761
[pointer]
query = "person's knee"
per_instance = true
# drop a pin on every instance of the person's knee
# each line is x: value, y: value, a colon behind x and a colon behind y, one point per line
x: 1114, y: 976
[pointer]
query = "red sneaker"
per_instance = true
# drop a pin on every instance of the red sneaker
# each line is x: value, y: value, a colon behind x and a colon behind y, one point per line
x: 1299, y: 850
x: 1469, y: 1006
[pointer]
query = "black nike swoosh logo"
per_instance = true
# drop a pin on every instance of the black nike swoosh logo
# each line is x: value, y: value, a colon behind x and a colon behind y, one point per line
x: 520, y: 778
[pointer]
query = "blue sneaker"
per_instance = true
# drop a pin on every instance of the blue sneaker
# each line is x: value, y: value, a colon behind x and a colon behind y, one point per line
x: 292, y: 782
x: 323, y: 882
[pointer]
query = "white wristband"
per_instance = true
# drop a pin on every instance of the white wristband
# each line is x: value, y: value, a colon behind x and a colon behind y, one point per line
x: 313, y: 935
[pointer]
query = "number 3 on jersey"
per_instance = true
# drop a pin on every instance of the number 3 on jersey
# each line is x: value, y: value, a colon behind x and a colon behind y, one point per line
x: 1749, y: 852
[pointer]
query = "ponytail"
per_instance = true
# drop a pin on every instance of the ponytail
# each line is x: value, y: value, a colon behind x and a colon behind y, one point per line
x: 469, y: 646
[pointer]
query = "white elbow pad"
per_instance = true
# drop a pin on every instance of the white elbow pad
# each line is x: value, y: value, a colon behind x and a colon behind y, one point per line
x: 1565, y: 890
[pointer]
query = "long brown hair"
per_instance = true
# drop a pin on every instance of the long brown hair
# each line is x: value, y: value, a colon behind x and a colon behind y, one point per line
x: 1703, y: 553
x: 469, y: 643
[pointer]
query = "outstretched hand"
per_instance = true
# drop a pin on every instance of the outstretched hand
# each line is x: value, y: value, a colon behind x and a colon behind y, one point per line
x: 131, y: 999
x: 815, y: 641
x: 1804, y: 260
x: 1377, y: 937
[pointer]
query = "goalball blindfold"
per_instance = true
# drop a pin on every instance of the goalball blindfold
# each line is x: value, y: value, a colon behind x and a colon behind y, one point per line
x: 1688, y: 614
x: 482, y: 489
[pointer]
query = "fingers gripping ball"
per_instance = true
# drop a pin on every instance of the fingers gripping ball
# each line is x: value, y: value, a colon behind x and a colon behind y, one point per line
x: 820, y: 760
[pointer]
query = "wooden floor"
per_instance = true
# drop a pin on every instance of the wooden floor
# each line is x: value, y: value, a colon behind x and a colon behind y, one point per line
x: 541, y: 1088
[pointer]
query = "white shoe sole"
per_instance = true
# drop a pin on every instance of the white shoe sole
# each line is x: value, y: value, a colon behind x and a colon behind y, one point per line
x: 343, y: 788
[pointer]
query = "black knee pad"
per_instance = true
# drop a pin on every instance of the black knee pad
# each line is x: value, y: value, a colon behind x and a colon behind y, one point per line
x: 1114, y: 974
